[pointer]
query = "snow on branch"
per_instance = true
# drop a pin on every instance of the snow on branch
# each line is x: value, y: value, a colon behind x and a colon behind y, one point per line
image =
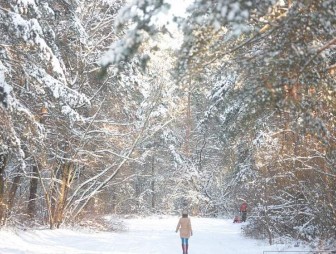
x: 5, y: 89
x: 140, y: 14
x: 31, y: 32
x: 23, y: 5
x: 11, y: 102
x: 120, y: 50
x: 70, y: 98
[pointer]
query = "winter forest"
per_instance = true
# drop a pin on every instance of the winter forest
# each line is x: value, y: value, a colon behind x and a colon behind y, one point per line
x: 149, y: 107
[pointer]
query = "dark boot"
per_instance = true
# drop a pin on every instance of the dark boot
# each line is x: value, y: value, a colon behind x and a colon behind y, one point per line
x: 187, y: 249
x: 184, y: 249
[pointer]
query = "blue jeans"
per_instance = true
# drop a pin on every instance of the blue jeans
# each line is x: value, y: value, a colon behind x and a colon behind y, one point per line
x: 184, y: 241
x: 184, y: 245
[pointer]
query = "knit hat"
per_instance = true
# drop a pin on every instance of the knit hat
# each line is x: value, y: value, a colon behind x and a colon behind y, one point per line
x: 184, y: 212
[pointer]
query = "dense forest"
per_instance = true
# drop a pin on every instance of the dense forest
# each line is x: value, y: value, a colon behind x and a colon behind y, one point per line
x: 113, y: 106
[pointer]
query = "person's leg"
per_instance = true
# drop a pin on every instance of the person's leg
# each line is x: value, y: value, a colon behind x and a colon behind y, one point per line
x: 183, y: 245
x: 187, y: 245
x: 244, y: 216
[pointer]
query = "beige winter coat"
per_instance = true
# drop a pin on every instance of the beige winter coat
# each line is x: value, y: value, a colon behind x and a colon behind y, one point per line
x: 184, y: 225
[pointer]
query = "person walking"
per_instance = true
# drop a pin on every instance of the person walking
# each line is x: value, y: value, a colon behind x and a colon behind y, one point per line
x: 243, y: 210
x: 184, y: 225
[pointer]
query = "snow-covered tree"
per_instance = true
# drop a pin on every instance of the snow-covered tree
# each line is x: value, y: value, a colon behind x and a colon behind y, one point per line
x: 270, y: 66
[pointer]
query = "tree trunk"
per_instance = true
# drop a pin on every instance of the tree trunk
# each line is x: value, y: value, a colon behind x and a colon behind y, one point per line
x: 66, y: 181
x: 3, y: 205
x: 33, y: 193
x: 153, y: 184
x: 12, y: 192
x: 52, y: 199
x: 2, y: 200
x: 188, y: 129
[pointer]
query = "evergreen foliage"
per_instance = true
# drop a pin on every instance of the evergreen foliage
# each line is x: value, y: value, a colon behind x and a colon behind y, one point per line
x: 105, y: 108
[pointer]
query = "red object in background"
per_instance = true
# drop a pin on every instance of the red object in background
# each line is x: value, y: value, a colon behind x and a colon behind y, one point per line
x: 243, y: 207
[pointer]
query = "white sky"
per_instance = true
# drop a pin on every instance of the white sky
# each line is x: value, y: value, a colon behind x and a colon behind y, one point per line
x: 141, y: 236
x: 177, y: 8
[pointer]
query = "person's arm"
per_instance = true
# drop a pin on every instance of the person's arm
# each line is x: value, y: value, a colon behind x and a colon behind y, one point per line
x: 178, y: 225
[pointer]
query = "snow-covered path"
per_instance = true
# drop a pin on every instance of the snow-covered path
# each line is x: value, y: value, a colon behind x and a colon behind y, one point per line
x: 143, y: 236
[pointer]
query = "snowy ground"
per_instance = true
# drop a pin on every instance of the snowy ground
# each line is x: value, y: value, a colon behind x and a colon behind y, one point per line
x: 142, y: 236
